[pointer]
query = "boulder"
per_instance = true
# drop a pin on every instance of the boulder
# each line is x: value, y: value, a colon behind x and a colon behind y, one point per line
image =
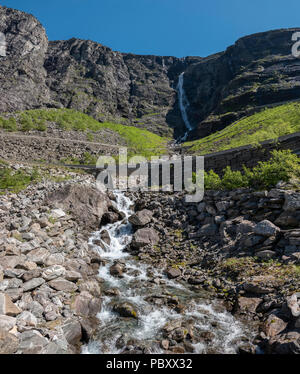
x: 33, y: 283
x: 208, y: 230
x: 125, y: 310
x: 86, y: 305
x: 8, y: 343
x: 291, y: 307
x: 7, y: 322
x: 61, y: 284
x: 248, y: 304
x: 72, y: 331
x: 116, y: 270
x: 145, y: 236
x: 266, y: 228
x: 53, y: 272
x: 26, y: 319
x: 292, y: 201
x: 141, y: 218
x: 85, y: 202
x: 274, y: 325
x: 32, y: 342
x: 173, y: 273
x: 7, y: 307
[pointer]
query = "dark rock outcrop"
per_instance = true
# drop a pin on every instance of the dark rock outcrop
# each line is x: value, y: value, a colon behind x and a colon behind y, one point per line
x: 257, y: 71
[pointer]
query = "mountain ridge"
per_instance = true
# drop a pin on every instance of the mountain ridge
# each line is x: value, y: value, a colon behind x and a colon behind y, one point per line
x: 141, y: 90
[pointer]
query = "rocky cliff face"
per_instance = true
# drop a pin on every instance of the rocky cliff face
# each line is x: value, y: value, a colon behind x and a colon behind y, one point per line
x: 22, y: 75
x: 141, y: 90
x: 257, y: 71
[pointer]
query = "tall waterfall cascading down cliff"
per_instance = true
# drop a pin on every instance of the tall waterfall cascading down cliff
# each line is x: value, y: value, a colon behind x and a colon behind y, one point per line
x: 183, y: 105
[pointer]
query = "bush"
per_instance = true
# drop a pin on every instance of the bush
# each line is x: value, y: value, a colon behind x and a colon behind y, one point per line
x: 9, y: 124
x: 282, y: 166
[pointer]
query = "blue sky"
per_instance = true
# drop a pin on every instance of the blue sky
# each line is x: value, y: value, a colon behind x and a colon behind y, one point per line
x: 162, y: 27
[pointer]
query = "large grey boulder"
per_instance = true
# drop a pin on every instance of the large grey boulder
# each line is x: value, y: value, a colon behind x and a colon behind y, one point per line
x: 145, y: 236
x: 141, y: 218
x: 86, y: 203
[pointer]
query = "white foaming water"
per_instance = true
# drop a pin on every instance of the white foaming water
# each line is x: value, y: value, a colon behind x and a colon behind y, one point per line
x: 183, y: 105
x: 135, y: 286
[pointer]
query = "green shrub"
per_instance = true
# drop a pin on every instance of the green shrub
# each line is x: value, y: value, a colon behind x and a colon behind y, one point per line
x: 282, y: 166
x: 9, y: 124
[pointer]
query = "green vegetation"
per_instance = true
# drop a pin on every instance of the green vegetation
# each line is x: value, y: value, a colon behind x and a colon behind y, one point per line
x: 139, y: 141
x: 238, y: 268
x: 15, y: 181
x: 282, y: 166
x: 268, y: 124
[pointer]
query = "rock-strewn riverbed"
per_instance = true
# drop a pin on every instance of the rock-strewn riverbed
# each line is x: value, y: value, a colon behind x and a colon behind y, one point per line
x: 237, y: 250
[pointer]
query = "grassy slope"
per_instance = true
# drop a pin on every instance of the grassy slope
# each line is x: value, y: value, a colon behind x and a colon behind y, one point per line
x: 268, y: 124
x: 139, y: 141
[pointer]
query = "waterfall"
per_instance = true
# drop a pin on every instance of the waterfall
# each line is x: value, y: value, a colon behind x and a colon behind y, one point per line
x: 183, y: 105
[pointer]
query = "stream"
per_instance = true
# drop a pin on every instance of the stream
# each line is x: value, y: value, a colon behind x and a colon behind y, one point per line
x: 145, y: 288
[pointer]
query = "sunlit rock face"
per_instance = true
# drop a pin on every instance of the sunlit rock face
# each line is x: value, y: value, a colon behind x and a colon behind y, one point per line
x: 258, y: 70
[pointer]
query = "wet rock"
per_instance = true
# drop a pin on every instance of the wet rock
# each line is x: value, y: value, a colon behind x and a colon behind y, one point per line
x: 109, y: 217
x: 112, y: 292
x: 177, y: 349
x: 105, y: 237
x: 125, y: 310
x: 165, y: 344
x: 72, y: 331
x: 116, y: 270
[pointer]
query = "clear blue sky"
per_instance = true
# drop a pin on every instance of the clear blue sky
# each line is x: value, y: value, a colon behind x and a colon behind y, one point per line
x: 162, y: 27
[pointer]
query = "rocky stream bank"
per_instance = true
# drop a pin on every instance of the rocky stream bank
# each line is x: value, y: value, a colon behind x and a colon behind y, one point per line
x: 225, y: 267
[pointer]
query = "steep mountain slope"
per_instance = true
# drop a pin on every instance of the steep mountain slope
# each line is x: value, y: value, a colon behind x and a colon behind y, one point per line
x: 258, y: 70
x: 270, y: 123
